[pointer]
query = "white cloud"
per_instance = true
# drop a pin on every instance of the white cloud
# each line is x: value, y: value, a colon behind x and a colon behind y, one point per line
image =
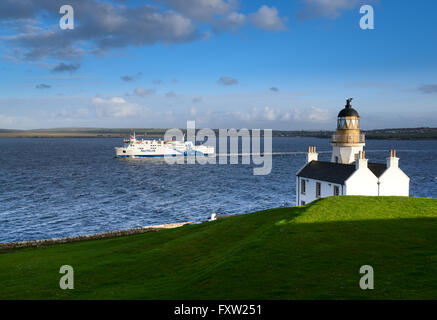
x: 270, y: 114
x: 232, y: 21
x: 286, y: 116
x: 267, y: 18
x: 312, y: 114
x: 256, y: 114
x: 267, y: 114
x: 203, y: 10
x: 319, y: 115
x: 117, y: 107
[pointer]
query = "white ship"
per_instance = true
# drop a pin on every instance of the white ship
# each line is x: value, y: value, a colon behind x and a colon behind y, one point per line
x: 140, y: 148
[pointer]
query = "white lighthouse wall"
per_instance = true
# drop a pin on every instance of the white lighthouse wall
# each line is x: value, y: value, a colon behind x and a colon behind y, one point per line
x: 362, y: 183
x: 327, y: 190
x: 345, y: 154
x: 394, y: 182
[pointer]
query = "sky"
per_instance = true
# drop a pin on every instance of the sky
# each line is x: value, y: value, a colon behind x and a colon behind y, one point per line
x: 282, y: 65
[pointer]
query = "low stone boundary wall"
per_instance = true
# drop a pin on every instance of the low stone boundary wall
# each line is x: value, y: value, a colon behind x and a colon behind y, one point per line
x: 104, y: 235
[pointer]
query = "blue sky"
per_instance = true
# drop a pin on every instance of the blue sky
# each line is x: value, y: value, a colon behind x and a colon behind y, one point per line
x: 225, y: 63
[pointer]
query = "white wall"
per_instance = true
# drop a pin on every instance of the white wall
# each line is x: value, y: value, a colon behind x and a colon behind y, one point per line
x: 362, y: 183
x: 345, y: 154
x: 394, y: 182
x: 327, y: 190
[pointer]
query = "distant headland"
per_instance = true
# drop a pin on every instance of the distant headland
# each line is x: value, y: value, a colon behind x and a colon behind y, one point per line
x: 423, y: 133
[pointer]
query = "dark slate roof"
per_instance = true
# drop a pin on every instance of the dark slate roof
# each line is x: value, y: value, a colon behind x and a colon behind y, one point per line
x: 377, y: 168
x: 335, y: 172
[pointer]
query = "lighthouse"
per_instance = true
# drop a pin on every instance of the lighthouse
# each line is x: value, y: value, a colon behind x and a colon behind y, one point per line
x: 348, y: 141
x: 349, y: 172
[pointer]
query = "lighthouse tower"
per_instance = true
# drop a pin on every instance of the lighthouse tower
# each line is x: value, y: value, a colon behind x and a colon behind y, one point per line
x: 349, y: 172
x: 348, y: 141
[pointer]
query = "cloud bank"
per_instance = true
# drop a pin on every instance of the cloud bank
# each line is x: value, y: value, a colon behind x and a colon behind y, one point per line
x: 104, y: 26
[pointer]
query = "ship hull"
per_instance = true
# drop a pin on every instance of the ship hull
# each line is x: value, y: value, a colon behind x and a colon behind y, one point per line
x: 129, y: 153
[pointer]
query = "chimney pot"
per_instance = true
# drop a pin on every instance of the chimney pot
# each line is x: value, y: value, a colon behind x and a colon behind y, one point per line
x: 361, y: 162
x: 312, y: 154
x: 392, y: 161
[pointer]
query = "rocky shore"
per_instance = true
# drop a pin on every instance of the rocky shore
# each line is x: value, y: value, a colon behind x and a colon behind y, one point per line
x: 104, y: 235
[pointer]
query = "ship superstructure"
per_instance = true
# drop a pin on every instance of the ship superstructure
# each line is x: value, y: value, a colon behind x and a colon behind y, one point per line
x: 141, y: 148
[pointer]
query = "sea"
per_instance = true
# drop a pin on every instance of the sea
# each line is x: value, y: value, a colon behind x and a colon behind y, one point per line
x: 62, y: 187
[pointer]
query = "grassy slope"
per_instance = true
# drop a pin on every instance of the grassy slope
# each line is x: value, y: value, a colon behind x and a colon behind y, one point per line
x: 311, y: 252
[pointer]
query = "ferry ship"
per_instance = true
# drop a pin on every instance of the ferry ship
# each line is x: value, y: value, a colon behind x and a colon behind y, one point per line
x: 140, y: 148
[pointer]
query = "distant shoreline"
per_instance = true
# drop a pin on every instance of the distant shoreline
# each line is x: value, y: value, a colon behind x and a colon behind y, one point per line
x: 379, y: 134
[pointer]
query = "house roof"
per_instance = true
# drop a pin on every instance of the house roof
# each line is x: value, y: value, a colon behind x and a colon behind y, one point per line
x: 335, y: 172
x: 377, y: 168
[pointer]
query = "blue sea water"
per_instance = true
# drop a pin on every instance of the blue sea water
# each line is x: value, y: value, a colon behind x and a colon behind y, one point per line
x: 64, y: 187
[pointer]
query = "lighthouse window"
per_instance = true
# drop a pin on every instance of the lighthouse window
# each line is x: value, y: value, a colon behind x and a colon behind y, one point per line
x: 303, y: 186
x: 336, y: 190
x: 318, y: 189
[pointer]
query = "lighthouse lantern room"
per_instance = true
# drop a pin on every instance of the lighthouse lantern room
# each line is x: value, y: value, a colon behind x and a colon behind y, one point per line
x: 348, y: 141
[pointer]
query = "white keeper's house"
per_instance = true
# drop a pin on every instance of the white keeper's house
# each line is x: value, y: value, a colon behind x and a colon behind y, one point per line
x: 349, y: 172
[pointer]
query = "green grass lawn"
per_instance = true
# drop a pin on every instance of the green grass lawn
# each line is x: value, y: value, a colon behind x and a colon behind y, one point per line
x: 311, y: 252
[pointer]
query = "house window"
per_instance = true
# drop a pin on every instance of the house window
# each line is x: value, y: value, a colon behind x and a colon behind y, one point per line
x: 318, y: 189
x: 302, y: 203
x: 336, y: 190
x: 303, y: 186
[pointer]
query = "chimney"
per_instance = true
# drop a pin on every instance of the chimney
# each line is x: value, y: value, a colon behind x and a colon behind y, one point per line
x: 392, y: 161
x: 312, y: 154
x: 361, y: 162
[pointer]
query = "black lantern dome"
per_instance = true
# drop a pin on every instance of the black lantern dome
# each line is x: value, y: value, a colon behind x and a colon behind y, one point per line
x: 348, y: 111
